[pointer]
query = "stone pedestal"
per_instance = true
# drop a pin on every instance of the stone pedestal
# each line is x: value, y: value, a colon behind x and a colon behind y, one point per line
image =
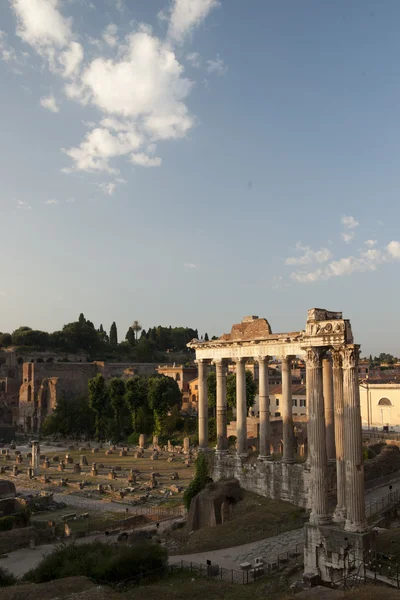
x: 112, y: 474
x: 330, y: 553
x: 123, y: 453
x: 61, y: 467
x: 186, y: 445
x: 77, y: 468
x: 69, y: 460
x: 142, y: 440
x: 83, y: 461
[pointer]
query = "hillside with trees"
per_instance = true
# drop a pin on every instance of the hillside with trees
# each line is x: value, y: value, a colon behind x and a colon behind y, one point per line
x: 137, y: 345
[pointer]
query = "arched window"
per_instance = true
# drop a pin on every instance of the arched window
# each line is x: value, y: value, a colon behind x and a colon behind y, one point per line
x: 178, y: 377
x: 384, y: 402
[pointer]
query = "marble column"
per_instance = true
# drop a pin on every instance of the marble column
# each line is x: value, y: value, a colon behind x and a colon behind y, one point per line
x: 287, y: 410
x: 317, y: 439
x: 222, y: 438
x: 327, y: 377
x: 263, y: 403
x: 203, y: 404
x: 339, y: 514
x: 353, y: 454
x: 241, y: 407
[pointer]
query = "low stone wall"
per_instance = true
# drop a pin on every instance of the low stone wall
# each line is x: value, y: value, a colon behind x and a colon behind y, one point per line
x: 17, y: 538
x: 272, y: 479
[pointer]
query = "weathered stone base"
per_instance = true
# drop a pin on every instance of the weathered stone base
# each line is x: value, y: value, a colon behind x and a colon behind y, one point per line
x: 270, y: 478
x: 331, y: 553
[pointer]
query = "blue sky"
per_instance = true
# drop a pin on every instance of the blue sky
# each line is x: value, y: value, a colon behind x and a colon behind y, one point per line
x: 189, y: 162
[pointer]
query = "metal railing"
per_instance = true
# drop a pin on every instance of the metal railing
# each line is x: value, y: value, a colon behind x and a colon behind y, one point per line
x: 382, y: 504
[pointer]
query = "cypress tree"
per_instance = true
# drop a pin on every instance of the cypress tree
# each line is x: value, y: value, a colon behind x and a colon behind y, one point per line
x: 113, y: 335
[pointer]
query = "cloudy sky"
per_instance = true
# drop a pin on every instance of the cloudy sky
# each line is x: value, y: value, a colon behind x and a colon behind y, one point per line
x: 189, y: 162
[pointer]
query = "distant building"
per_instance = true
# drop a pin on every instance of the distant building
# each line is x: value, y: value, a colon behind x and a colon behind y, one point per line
x: 182, y: 375
x: 380, y: 404
x: 275, y: 401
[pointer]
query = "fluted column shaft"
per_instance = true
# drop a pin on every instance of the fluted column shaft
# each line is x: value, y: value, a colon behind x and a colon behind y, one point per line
x: 263, y: 404
x: 339, y: 514
x: 203, y: 404
x: 241, y: 407
x: 316, y: 439
x: 287, y: 410
x: 327, y: 377
x: 353, y: 455
x: 222, y: 438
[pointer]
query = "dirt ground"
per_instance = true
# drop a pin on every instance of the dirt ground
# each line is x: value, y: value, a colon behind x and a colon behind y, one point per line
x: 159, y: 495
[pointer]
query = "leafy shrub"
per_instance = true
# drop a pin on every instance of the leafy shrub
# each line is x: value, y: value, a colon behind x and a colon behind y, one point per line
x: 6, y: 578
x: 199, y: 482
x: 133, y: 438
x: 368, y: 453
x: 12, y: 521
x: 100, y: 562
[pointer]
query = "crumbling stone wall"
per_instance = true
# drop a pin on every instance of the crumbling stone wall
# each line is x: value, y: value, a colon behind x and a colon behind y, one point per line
x: 273, y: 479
x: 212, y: 506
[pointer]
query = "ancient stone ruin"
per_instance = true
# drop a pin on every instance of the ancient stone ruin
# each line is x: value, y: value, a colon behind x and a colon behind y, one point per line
x: 334, y: 430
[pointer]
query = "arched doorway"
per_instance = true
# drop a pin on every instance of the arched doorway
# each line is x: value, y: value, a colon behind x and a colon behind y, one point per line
x: 385, y: 407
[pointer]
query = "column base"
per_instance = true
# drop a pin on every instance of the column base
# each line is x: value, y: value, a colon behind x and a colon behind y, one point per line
x: 220, y: 453
x: 339, y: 515
x: 360, y: 527
x: 205, y: 449
x: 241, y: 455
x: 265, y: 457
x: 288, y: 461
x: 320, y: 520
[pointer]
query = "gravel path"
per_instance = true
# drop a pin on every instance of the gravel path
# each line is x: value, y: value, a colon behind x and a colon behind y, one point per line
x: 230, y: 558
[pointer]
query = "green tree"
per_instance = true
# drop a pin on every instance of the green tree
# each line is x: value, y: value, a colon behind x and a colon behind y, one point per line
x: 116, y: 391
x: 135, y: 397
x: 130, y: 336
x: 206, y: 339
x: 212, y: 389
x: 199, y: 481
x: 5, y: 339
x: 113, y: 335
x: 163, y: 394
x: 71, y: 417
x: 98, y: 402
x: 136, y: 327
x: 82, y: 320
x: 251, y: 390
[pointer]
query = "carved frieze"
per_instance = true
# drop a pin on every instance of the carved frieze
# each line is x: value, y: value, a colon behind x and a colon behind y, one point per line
x: 326, y: 328
x: 320, y: 314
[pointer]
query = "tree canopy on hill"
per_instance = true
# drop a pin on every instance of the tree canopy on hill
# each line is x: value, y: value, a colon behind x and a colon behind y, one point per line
x: 82, y: 336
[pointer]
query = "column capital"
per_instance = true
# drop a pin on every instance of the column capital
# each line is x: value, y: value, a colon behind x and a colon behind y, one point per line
x: 350, y: 355
x: 240, y: 359
x: 220, y: 361
x: 314, y: 357
x: 286, y: 358
x: 262, y: 359
x: 202, y: 361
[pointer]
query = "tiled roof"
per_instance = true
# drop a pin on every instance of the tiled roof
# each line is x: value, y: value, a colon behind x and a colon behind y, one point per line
x: 297, y: 390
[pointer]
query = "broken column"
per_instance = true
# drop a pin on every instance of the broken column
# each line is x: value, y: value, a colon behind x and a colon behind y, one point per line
x: 186, y: 445
x: 83, y: 460
x: 35, y: 458
x: 142, y: 440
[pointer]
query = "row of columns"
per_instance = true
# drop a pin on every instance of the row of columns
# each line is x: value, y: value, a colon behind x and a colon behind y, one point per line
x: 241, y: 407
x: 346, y: 423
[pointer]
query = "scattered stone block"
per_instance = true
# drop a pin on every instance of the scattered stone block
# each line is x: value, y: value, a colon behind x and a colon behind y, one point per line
x: 123, y: 453
x: 112, y: 474
x: 15, y: 470
x: 176, y: 489
x: 100, y: 488
x: 77, y: 468
x: 94, y: 471
x: 46, y: 464
x: 95, y: 450
x: 100, y: 466
x: 170, y: 459
x: 45, y: 479
x: 142, y: 440
x: 154, y: 456
x: 186, y: 445
x: 83, y: 461
x: 174, y: 476
x: 68, y: 459
x: 18, y: 459
x: 61, y: 467
x: 108, y: 452
x: 30, y: 473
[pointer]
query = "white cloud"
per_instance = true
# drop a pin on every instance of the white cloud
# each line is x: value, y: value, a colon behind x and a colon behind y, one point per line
x: 348, y: 236
x: 186, y: 15
x: 107, y: 188
x: 52, y: 201
x: 120, y: 180
x: 119, y: 5
x: 350, y: 222
x: 394, y: 249
x: 71, y: 59
x: 50, y: 103
x: 308, y: 256
x: 41, y: 24
x: 190, y: 266
x: 143, y: 160
x: 110, y: 35
x: 370, y: 243
x: 7, y: 53
x: 216, y: 66
x: 24, y: 205
x: 194, y: 59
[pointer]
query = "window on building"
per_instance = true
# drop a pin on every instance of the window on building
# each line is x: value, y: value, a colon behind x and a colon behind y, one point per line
x: 384, y: 402
x: 277, y: 402
x: 277, y: 414
x: 294, y: 401
x: 196, y: 387
x: 302, y: 402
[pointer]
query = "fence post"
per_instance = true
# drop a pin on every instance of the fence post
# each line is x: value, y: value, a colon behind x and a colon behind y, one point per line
x: 232, y: 575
